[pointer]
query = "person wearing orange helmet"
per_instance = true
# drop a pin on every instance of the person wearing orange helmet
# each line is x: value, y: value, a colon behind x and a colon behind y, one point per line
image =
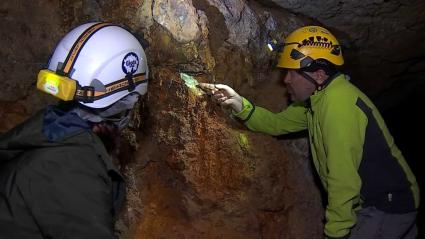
x: 57, y: 178
x: 371, y: 191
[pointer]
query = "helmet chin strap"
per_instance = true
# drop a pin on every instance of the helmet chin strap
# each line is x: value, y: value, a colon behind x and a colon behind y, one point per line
x: 319, y: 87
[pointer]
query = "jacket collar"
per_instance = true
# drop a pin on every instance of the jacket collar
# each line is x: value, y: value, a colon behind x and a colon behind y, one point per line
x: 59, y: 125
x: 50, y: 128
x: 318, y: 94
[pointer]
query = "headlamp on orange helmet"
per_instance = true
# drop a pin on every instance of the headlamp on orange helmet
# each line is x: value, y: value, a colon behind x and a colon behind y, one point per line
x: 308, y: 44
x: 274, y: 45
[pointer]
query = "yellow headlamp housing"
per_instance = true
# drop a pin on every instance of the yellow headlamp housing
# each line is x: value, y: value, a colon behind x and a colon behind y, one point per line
x: 61, y: 87
x: 68, y: 89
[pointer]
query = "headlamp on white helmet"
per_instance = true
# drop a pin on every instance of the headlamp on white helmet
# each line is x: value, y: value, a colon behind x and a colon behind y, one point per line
x: 96, y: 64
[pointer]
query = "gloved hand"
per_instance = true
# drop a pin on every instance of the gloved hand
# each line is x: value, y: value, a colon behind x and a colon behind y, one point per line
x: 224, y: 95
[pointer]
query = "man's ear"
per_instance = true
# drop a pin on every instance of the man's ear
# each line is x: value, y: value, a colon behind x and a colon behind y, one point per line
x: 320, y: 76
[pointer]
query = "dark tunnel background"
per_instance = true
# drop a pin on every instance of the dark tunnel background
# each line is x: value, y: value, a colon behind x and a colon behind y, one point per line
x: 406, y: 123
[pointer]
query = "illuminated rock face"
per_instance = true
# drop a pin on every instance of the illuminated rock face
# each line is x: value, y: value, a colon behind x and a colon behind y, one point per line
x: 199, y: 174
x: 192, y: 171
x: 179, y: 17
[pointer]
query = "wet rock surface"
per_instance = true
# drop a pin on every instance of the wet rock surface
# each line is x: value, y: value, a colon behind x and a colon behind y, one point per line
x: 199, y: 174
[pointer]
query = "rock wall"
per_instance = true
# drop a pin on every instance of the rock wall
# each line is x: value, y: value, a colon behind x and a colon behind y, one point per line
x: 191, y: 170
x: 383, y: 42
x: 198, y: 173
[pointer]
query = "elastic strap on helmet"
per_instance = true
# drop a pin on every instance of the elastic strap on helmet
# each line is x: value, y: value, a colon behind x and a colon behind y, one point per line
x: 70, y: 60
x: 131, y: 83
x: 309, y: 78
x: 88, y: 94
x: 61, y: 84
x: 319, y: 87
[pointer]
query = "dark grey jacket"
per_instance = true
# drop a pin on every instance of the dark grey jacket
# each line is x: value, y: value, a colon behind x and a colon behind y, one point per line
x: 56, y: 180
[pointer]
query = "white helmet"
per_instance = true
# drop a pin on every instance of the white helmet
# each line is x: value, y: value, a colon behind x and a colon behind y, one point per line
x: 96, y: 64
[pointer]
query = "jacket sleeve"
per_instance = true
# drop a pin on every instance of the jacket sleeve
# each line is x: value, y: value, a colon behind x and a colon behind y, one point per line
x: 68, y: 192
x: 343, y: 129
x: 292, y: 119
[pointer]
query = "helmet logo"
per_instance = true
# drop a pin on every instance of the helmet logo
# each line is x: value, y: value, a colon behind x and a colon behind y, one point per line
x: 318, y: 41
x: 130, y: 63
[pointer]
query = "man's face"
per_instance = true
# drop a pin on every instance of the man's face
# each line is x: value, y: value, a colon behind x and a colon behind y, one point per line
x: 298, y: 87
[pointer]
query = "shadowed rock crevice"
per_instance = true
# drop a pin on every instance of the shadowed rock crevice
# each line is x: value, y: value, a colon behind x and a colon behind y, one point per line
x: 217, y: 30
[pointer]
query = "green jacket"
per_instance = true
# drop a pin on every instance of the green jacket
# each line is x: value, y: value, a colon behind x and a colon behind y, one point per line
x: 352, y: 150
x: 56, y: 180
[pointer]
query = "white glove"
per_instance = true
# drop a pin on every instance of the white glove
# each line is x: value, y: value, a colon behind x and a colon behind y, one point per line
x: 224, y: 95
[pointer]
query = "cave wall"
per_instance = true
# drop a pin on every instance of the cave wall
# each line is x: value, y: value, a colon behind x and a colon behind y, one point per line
x: 200, y: 174
x: 383, y: 42
x: 191, y: 170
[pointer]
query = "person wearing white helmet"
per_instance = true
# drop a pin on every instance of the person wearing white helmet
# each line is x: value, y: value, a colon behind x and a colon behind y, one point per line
x: 57, y: 179
x: 372, y: 193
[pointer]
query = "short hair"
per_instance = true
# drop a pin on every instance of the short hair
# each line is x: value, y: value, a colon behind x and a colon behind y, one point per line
x: 329, y: 68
